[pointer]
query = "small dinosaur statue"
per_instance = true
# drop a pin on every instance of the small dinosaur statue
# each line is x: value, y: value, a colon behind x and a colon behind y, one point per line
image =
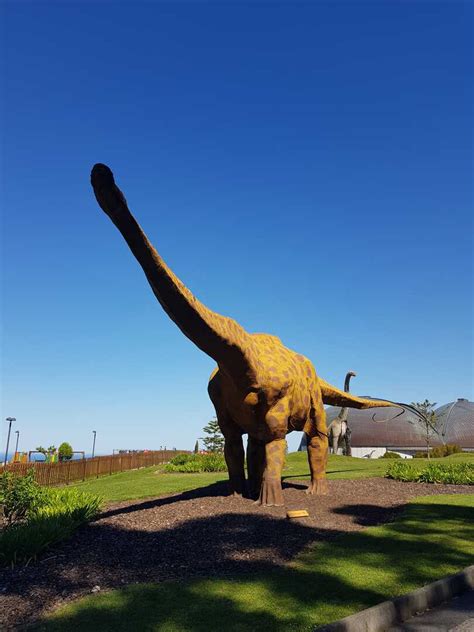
x: 338, y: 428
x: 260, y: 387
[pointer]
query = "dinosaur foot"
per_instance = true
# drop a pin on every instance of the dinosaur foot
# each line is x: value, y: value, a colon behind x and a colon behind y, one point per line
x: 110, y: 198
x: 319, y: 487
x: 271, y: 494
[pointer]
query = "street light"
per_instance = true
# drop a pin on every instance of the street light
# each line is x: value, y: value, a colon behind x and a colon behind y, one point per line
x: 17, y: 432
x: 9, y: 419
x: 93, y: 443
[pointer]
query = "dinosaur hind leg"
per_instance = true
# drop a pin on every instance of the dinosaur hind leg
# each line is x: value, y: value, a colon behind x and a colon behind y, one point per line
x: 234, y: 454
x: 255, y: 465
x: 318, y: 449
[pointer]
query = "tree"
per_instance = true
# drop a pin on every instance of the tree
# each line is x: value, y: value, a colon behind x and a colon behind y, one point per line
x: 65, y: 451
x: 196, y: 447
x: 214, y: 442
x: 428, y: 421
x: 48, y: 452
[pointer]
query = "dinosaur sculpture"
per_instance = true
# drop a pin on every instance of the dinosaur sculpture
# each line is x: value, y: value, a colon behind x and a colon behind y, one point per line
x: 259, y: 387
x: 338, y: 428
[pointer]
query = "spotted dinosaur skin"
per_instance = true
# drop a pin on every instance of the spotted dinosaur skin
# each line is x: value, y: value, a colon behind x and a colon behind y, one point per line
x: 260, y: 387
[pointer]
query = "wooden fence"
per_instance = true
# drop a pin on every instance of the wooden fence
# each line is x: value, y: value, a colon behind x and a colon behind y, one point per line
x: 67, y: 471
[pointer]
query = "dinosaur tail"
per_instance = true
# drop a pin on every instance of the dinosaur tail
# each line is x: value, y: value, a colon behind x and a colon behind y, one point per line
x: 336, y: 397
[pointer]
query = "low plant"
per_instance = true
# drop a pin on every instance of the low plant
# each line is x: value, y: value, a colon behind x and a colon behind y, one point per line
x: 193, y: 463
x: 54, y: 518
x: 447, y: 473
x: 440, y: 451
x: 390, y: 455
x: 450, y: 473
x: 181, y: 459
x: 20, y: 496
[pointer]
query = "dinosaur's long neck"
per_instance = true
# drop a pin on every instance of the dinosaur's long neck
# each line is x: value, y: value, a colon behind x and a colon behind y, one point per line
x: 221, y: 338
x: 344, y: 414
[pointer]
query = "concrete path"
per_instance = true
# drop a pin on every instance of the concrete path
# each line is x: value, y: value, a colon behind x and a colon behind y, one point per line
x: 456, y: 615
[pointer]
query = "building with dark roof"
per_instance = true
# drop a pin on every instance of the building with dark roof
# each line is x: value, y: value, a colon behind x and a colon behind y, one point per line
x: 376, y: 431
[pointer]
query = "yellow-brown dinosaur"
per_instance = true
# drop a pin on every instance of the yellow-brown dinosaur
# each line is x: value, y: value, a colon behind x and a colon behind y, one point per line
x: 260, y: 387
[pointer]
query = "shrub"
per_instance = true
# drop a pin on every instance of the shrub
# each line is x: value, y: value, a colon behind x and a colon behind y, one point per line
x: 181, y: 459
x: 401, y: 471
x: 440, y: 451
x: 390, y: 455
x: 55, y: 518
x: 447, y: 473
x: 19, y: 496
x: 421, y: 455
x: 194, y: 463
x: 444, y: 450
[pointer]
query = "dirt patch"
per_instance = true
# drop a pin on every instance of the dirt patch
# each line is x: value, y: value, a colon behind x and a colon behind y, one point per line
x: 197, y: 533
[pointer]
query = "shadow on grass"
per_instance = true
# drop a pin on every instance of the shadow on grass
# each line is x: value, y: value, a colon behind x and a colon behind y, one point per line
x: 369, y: 515
x: 246, y: 555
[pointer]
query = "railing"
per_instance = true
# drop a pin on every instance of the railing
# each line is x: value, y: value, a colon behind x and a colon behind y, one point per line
x: 65, y: 472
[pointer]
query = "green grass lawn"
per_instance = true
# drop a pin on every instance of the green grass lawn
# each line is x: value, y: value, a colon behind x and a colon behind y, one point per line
x: 146, y: 483
x: 432, y: 538
x: 149, y: 482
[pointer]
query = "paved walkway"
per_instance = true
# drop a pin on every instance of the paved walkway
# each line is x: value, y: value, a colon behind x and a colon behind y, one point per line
x: 456, y: 615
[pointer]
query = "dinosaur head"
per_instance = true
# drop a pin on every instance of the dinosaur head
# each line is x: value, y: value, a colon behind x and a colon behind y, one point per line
x: 110, y: 198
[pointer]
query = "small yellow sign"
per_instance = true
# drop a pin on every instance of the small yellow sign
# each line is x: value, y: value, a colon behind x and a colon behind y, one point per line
x: 297, y: 513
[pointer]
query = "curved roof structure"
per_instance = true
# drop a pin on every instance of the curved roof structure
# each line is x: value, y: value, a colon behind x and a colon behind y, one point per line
x: 380, y: 427
x: 457, y: 422
x: 405, y: 431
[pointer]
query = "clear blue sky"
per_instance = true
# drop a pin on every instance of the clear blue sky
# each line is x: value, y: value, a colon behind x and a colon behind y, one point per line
x: 304, y: 168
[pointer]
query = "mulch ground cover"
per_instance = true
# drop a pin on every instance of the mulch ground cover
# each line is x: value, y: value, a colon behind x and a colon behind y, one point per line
x: 197, y: 533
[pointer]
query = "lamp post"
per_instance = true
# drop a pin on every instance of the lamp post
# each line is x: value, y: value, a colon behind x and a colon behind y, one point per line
x: 9, y: 419
x: 93, y: 443
x: 17, y: 432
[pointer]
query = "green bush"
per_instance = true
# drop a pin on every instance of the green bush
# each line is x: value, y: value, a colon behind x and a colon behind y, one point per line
x: 401, y: 471
x: 19, y: 496
x: 193, y: 463
x: 440, y: 451
x: 420, y: 455
x: 181, y: 459
x: 390, y: 455
x: 446, y: 450
x: 447, y: 473
x: 55, y: 518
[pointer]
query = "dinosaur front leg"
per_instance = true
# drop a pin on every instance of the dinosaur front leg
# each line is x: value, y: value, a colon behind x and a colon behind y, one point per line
x: 255, y: 465
x: 276, y: 421
x: 271, y: 493
x: 318, y: 451
x: 233, y: 445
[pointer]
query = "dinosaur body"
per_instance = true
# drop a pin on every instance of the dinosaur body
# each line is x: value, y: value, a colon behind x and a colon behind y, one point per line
x: 338, y: 429
x: 260, y: 387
